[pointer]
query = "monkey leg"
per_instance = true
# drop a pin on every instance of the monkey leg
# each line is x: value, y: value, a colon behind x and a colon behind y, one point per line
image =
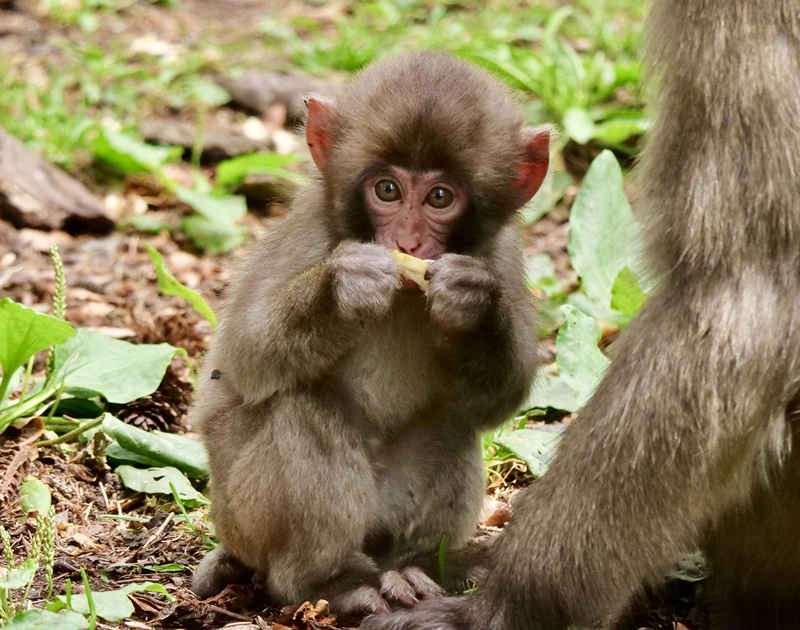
x: 431, y: 487
x: 691, y: 411
x: 292, y: 490
x: 755, y: 557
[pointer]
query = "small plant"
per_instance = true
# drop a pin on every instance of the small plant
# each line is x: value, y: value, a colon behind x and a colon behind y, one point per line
x: 16, y: 579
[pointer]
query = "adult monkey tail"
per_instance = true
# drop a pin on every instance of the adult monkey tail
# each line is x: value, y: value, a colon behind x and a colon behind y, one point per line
x: 687, y: 441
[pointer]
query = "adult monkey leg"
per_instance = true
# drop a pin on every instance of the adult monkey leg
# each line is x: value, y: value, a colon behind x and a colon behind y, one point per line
x: 673, y: 439
x: 688, y: 435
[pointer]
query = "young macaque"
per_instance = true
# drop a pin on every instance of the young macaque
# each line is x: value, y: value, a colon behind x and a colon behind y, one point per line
x: 689, y: 438
x: 341, y: 404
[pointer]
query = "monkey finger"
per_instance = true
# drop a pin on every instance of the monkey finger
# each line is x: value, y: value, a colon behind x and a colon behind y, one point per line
x: 364, y: 600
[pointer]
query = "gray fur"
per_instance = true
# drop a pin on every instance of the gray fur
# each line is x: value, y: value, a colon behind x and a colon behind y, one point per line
x: 688, y: 439
x: 343, y: 432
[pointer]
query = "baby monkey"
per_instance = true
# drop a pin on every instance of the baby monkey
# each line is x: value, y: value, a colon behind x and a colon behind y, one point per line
x: 341, y: 404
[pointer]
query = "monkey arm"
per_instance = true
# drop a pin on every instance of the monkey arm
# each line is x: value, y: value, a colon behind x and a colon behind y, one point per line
x: 492, y: 358
x: 281, y: 327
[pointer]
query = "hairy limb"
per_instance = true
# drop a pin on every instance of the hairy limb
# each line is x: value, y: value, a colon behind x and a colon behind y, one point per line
x: 663, y: 412
x: 485, y: 330
x: 295, y: 332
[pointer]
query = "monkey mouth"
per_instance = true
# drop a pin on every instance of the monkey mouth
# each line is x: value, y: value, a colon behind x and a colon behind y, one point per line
x: 407, y: 284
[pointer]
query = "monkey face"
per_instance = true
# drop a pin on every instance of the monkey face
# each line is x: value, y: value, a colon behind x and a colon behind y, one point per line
x: 413, y: 212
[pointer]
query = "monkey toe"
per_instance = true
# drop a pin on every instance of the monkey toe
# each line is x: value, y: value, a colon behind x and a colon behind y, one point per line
x: 358, y: 602
x: 396, y: 588
x: 437, y: 614
x: 424, y: 587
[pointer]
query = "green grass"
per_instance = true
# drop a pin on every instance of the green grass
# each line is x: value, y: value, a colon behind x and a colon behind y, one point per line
x: 575, y: 64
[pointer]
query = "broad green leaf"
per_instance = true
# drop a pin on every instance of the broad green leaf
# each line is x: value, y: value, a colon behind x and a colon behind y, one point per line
x: 618, y: 130
x: 580, y: 362
x: 551, y: 391
x: 34, y: 495
x: 169, y: 449
x: 129, y: 154
x: 215, y: 237
x: 578, y: 125
x: 113, y: 606
x: 19, y: 577
x: 604, y: 236
x: 627, y: 296
x: 121, y: 455
x: 231, y: 172
x: 227, y: 209
x: 551, y: 192
x: 118, y: 370
x: 158, y: 480
x: 78, y: 408
x: 535, y: 447
x: 170, y: 285
x: 38, y: 619
x: 23, y: 333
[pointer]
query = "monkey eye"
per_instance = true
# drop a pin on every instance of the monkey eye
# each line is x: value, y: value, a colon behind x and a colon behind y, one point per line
x: 440, y: 197
x: 387, y: 190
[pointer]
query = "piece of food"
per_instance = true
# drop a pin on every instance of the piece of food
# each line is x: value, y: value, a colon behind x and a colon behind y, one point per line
x: 412, y: 268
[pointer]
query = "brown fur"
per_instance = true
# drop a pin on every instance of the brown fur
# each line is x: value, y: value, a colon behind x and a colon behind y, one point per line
x: 343, y: 401
x: 688, y: 439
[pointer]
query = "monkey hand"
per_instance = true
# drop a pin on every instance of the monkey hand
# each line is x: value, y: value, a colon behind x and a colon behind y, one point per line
x: 462, y: 292
x: 365, y: 278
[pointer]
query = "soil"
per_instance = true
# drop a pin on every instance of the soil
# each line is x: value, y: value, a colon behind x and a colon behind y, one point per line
x: 119, y: 537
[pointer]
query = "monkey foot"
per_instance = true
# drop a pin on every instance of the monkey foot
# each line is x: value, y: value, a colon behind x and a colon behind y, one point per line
x: 446, y: 613
x: 398, y: 589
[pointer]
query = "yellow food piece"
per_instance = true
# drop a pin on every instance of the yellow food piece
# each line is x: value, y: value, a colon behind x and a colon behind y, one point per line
x: 412, y: 268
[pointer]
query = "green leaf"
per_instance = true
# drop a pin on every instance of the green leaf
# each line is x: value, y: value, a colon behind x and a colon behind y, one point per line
x: 34, y: 495
x: 166, y: 568
x: 23, y: 333
x: 119, y: 454
x: 230, y: 173
x: 551, y: 192
x: 578, y: 125
x: 618, y: 130
x: 158, y: 480
x: 227, y: 209
x: 551, y: 391
x: 213, y: 237
x: 113, y: 606
x: 128, y: 154
x: 627, y: 296
x: 540, y: 273
x: 535, y: 447
x: 170, y: 285
x: 580, y: 362
x: 604, y: 236
x: 19, y: 577
x: 37, y: 619
x: 118, y: 370
x: 167, y: 449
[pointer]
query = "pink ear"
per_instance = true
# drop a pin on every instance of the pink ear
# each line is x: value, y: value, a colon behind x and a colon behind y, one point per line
x: 319, y: 126
x: 535, y: 162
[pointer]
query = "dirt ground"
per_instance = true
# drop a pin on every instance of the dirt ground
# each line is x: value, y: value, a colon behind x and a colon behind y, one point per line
x: 112, y: 287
